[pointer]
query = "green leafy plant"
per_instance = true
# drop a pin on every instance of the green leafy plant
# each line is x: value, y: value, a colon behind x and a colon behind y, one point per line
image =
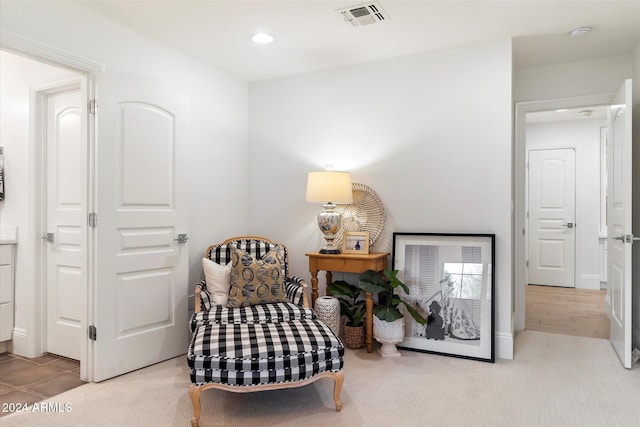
x: 350, y: 306
x: 388, y: 301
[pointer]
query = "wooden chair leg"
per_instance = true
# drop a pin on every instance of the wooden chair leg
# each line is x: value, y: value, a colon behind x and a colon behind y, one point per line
x: 194, y: 392
x: 337, y: 388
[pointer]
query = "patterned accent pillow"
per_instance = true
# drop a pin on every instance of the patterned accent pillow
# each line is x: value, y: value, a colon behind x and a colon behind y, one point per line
x: 256, y: 281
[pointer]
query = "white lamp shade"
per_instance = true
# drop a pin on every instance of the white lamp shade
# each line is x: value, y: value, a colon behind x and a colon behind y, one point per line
x: 323, y: 187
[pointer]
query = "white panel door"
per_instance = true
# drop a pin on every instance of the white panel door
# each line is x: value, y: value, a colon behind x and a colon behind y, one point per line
x: 619, y: 237
x: 552, y: 201
x: 141, y: 306
x: 66, y: 249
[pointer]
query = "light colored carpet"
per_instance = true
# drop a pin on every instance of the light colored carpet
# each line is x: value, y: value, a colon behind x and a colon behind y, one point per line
x: 555, y: 380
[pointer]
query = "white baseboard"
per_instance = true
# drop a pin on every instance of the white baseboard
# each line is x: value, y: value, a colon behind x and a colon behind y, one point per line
x: 504, y: 345
x: 21, y: 343
x: 589, y: 281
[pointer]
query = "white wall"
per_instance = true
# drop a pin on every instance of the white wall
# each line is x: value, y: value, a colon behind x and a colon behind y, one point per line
x: 584, y: 136
x: 430, y: 133
x: 571, y: 79
x: 218, y: 125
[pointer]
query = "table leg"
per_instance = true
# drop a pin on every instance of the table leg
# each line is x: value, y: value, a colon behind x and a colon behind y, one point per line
x: 314, y: 287
x: 329, y: 277
x: 369, y: 324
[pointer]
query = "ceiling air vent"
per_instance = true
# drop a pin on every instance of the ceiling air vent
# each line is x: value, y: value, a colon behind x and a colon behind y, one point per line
x: 364, y: 14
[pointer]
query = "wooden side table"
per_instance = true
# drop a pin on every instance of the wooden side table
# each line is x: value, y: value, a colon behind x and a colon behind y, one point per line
x: 347, y: 263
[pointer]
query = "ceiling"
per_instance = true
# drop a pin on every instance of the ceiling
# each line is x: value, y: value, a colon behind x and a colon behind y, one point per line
x: 311, y: 35
x: 596, y: 112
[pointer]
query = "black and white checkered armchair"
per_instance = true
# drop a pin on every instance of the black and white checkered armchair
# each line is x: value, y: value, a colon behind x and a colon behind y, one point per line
x: 256, y: 346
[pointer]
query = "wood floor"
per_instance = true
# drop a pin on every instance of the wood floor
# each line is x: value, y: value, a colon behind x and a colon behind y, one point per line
x: 567, y: 311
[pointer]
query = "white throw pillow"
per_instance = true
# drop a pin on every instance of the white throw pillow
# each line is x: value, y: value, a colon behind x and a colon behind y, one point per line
x: 218, y: 281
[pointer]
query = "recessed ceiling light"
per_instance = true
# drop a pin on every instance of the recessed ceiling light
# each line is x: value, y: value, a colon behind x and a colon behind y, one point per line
x: 262, y: 38
x: 580, y: 32
x: 585, y: 113
x: 561, y: 110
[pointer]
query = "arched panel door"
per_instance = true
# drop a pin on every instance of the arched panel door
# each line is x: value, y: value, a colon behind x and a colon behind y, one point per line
x: 141, y: 287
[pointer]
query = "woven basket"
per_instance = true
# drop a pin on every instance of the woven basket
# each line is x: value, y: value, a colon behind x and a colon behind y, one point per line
x: 353, y: 336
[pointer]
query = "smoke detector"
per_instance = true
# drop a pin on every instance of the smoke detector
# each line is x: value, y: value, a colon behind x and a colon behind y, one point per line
x: 364, y: 14
x: 580, y: 32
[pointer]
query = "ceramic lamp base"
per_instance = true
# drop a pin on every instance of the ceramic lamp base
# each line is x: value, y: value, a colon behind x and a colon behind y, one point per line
x: 329, y: 221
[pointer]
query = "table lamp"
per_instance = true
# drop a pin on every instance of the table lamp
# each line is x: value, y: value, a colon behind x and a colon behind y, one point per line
x: 329, y: 188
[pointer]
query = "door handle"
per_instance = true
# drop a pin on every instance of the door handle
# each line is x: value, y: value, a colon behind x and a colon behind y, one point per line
x: 627, y: 238
x: 569, y: 225
x: 49, y: 237
x: 182, y: 238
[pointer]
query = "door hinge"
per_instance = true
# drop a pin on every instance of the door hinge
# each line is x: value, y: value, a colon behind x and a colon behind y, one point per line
x: 527, y: 263
x: 92, y: 333
x: 93, y: 106
x: 93, y: 220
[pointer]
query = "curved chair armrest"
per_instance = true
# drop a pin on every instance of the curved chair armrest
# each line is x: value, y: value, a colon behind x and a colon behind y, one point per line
x: 299, y: 282
x: 197, y: 297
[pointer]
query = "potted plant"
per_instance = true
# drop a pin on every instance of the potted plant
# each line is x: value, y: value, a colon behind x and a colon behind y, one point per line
x: 388, y: 322
x: 353, y: 309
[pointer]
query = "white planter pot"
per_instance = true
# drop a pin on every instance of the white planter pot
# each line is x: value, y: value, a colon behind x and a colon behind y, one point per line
x: 388, y: 334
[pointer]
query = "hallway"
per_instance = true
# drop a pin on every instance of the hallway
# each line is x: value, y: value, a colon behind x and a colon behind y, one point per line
x: 567, y: 311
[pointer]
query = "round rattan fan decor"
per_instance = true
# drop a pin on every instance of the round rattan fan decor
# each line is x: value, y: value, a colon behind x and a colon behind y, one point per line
x: 366, y: 213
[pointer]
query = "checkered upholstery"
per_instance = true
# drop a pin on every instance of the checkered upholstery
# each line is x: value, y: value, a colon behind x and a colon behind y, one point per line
x: 261, y: 313
x: 259, y: 344
x: 242, y: 354
x: 221, y: 254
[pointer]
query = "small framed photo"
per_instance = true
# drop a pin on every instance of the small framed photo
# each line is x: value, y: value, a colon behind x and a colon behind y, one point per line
x: 355, y: 242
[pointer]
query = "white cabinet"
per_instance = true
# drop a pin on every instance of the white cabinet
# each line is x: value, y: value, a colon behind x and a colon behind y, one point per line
x: 7, y: 269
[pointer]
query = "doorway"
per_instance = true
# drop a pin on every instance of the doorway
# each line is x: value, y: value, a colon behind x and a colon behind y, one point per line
x: 49, y: 145
x: 560, y: 125
x: 564, y: 157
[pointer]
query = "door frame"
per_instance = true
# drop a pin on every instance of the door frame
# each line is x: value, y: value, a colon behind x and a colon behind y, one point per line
x: 520, y: 240
x: 87, y: 71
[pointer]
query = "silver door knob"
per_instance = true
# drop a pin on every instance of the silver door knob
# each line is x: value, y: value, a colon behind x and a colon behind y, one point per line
x: 182, y: 238
x: 569, y: 225
x: 49, y: 237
